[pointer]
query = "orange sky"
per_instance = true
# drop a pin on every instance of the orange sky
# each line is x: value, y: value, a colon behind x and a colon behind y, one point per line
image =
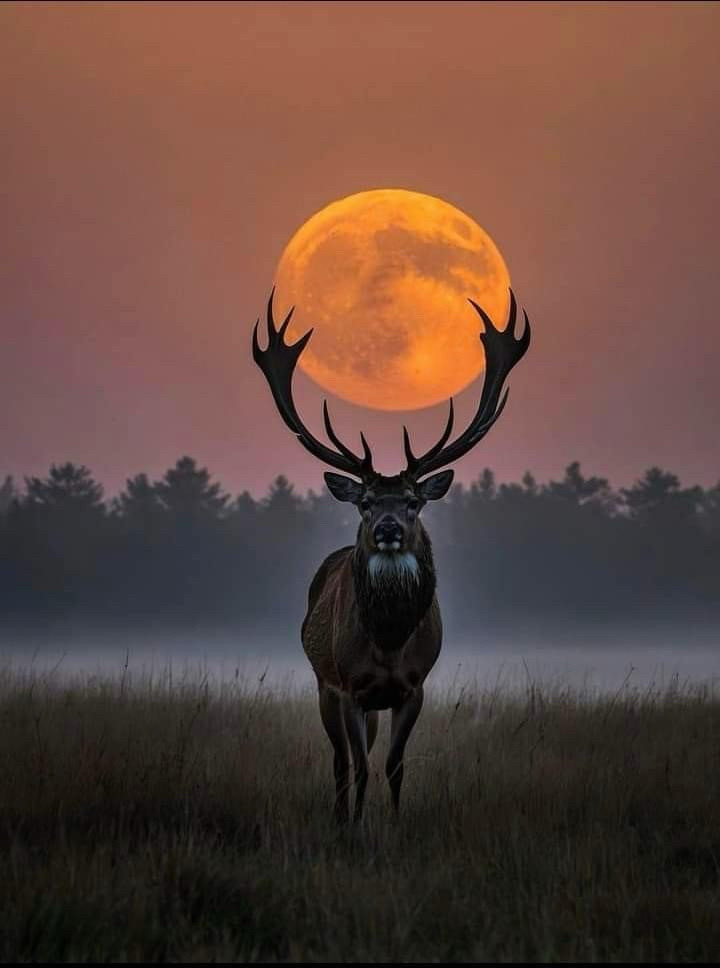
x: 155, y: 159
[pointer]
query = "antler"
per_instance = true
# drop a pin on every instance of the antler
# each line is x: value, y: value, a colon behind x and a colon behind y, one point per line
x: 278, y: 363
x: 502, y: 352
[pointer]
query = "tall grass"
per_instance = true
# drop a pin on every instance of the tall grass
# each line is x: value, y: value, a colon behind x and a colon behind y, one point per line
x: 179, y: 819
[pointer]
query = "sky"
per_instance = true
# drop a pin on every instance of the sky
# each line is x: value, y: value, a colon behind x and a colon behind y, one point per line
x: 155, y: 159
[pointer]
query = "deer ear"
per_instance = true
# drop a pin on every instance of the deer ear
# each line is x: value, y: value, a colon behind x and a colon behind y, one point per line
x: 435, y: 487
x: 343, y: 488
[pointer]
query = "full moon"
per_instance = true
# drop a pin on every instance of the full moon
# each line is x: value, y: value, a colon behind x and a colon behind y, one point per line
x: 384, y: 279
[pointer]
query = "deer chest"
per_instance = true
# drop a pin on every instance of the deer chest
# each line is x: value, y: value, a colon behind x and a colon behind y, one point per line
x: 382, y: 687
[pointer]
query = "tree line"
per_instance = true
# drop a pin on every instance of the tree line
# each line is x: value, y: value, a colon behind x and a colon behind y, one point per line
x: 180, y: 551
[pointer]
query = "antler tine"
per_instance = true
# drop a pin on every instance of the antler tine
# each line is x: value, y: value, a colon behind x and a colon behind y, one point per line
x: 278, y: 361
x: 366, y: 460
x: 270, y: 322
x: 490, y: 325
x: 502, y: 351
x: 512, y: 315
x: 413, y: 461
x: 411, y: 458
x: 285, y: 323
x: 480, y: 431
x: 275, y: 336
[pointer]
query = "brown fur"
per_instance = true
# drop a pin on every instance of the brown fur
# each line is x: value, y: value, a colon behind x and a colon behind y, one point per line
x: 370, y: 650
x: 391, y: 611
x: 362, y: 641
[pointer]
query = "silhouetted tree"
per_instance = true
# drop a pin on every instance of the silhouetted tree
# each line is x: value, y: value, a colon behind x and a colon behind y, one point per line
x: 485, y: 488
x: 245, y: 507
x: 68, y: 489
x: 285, y: 527
x: 178, y: 550
x: 191, y: 556
x: 139, y: 503
x: 7, y: 494
x: 710, y: 509
x: 658, y: 493
x: 57, y: 534
x: 665, y: 542
x: 186, y: 492
x: 141, y: 536
x: 581, y: 490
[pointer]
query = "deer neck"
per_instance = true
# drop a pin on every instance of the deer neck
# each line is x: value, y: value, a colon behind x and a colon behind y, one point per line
x: 393, y: 592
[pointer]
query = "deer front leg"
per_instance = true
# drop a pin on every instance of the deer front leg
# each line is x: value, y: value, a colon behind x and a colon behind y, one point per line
x: 404, y: 718
x: 332, y: 717
x: 356, y: 725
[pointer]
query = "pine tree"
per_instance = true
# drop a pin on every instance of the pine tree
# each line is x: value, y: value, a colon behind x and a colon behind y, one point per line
x: 69, y: 488
x: 7, y: 494
x: 186, y: 492
x: 658, y: 493
x: 139, y: 502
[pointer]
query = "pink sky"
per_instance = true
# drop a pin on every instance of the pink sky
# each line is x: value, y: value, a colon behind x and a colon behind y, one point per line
x: 156, y: 158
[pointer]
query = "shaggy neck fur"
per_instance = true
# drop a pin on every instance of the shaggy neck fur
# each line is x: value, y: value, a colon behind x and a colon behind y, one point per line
x: 393, y: 590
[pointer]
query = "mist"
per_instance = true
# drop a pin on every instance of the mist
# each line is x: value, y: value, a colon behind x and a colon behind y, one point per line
x: 589, y: 663
x: 565, y: 581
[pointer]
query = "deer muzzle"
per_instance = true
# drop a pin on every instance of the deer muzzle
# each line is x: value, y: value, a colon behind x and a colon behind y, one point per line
x: 388, y: 534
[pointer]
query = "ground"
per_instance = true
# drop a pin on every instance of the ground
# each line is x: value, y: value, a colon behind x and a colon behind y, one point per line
x: 175, y: 820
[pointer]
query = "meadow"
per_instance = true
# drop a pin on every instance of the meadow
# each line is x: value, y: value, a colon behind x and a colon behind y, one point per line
x: 171, y: 817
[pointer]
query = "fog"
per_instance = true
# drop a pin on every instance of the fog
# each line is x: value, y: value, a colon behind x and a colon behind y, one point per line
x: 565, y: 582
x: 590, y: 663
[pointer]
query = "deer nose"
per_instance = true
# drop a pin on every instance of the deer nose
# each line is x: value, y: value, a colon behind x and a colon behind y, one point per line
x: 388, y: 532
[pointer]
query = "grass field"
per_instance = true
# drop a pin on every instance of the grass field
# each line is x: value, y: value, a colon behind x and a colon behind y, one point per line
x: 171, y: 820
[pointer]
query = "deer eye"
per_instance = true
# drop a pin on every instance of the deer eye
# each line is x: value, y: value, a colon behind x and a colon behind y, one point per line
x: 413, y: 504
x: 364, y: 505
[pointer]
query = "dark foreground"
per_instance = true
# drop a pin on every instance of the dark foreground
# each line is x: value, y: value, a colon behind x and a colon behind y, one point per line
x: 169, y: 821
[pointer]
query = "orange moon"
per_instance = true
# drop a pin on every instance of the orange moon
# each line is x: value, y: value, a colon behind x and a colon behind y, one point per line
x: 384, y: 277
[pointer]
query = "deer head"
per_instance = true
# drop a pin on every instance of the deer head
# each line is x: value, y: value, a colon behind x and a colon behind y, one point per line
x: 389, y: 506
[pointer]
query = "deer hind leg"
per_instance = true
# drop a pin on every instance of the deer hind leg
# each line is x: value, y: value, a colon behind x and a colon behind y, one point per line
x: 356, y: 726
x: 404, y: 718
x: 331, y: 714
x: 372, y: 727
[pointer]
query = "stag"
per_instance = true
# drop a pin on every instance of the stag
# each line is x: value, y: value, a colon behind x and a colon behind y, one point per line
x: 373, y: 631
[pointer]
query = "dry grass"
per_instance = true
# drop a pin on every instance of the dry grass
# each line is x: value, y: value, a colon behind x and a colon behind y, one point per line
x: 168, y: 820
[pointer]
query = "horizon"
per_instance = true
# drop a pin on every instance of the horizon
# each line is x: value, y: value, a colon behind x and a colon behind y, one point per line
x: 20, y: 481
